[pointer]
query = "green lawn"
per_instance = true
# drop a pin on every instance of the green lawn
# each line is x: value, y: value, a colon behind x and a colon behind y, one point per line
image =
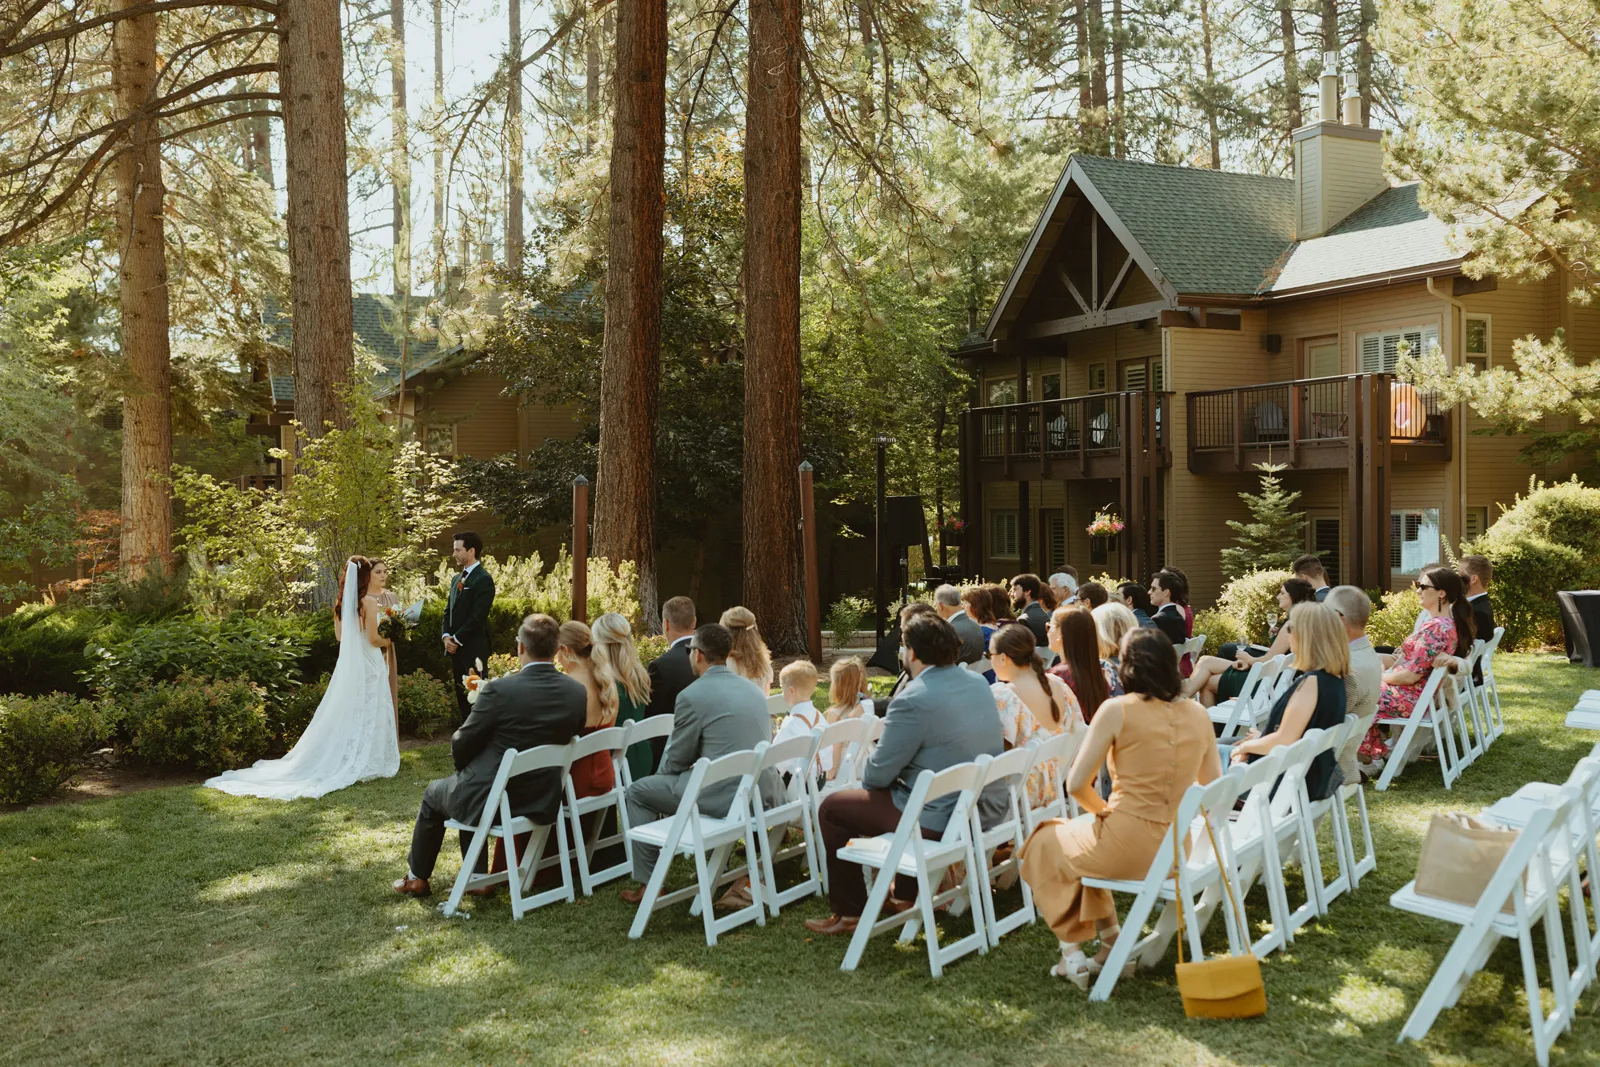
x: 183, y: 926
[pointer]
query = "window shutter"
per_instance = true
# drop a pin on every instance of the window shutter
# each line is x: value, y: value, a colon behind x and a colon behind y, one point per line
x: 1133, y: 376
x: 1097, y: 377
x: 1325, y: 544
x: 1477, y: 521
x: 1371, y: 353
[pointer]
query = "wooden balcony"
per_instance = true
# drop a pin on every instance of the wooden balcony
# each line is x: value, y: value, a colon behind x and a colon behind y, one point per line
x: 1316, y: 424
x: 1104, y: 435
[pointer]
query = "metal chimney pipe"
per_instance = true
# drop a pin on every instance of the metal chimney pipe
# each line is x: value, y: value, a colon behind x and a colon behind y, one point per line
x: 1352, y: 104
x: 1330, y: 87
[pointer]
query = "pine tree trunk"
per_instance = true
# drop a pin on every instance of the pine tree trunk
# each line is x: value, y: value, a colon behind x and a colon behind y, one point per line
x: 1330, y: 33
x: 1291, y: 65
x: 1080, y: 30
x: 1098, y: 97
x: 771, y: 491
x: 591, y: 81
x: 261, y: 149
x: 1118, y: 119
x: 1211, y: 85
x: 400, y: 149
x: 864, y: 102
x: 142, y: 270
x: 625, y: 486
x: 1369, y: 16
x: 311, y: 72
x: 440, y: 246
x: 514, y: 139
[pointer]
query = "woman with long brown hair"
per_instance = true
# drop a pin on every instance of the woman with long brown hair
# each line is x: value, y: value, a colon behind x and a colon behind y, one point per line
x: 1074, y: 637
x: 592, y: 775
x: 384, y: 598
x: 1031, y: 703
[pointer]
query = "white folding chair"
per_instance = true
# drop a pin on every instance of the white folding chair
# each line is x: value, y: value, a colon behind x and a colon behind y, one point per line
x: 656, y: 727
x: 907, y: 852
x: 614, y: 741
x: 777, y: 707
x: 1425, y: 714
x: 498, y: 822
x: 1477, y: 700
x: 708, y: 840
x: 1254, y: 847
x: 1262, y: 685
x: 1192, y: 647
x: 777, y: 819
x: 1455, y: 698
x: 1053, y: 758
x: 1330, y: 808
x: 982, y: 666
x: 1285, y: 821
x: 1202, y: 870
x: 854, y: 735
x: 1524, y: 880
x: 1011, y: 769
x: 1491, y: 688
x: 1367, y: 862
x: 1046, y: 653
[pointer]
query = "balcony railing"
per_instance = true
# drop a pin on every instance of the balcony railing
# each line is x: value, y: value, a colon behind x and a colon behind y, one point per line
x: 1082, y: 426
x: 1312, y: 414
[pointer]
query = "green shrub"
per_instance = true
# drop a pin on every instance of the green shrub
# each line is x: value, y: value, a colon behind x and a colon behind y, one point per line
x: 650, y: 646
x: 1251, y: 600
x: 42, y: 743
x: 423, y: 651
x: 427, y: 705
x: 1392, y: 623
x: 1219, y: 628
x: 42, y: 648
x: 288, y: 718
x: 198, y: 723
x: 262, y: 650
x: 1548, y: 540
x: 845, y: 617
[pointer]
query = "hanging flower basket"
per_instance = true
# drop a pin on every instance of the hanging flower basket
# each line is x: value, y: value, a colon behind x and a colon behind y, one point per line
x: 1104, y: 524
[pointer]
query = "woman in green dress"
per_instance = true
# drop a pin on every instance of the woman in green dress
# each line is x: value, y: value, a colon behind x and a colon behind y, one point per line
x: 613, y: 645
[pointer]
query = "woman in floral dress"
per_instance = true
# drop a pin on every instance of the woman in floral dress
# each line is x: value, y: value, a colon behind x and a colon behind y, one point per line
x: 1031, y: 703
x: 1446, y: 631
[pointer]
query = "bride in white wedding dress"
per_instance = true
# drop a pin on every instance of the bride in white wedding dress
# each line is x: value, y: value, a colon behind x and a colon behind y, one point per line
x: 351, y: 738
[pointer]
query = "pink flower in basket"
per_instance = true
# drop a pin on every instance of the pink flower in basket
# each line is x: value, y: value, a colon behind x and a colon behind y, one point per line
x: 1104, y: 524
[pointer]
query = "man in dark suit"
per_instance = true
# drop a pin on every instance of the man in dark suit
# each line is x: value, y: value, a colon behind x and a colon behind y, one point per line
x: 671, y: 672
x: 947, y: 602
x: 719, y: 714
x: 466, y: 615
x: 536, y: 706
x: 1476, y: 574
x: 1169, y: 616
x: 1027, y: 593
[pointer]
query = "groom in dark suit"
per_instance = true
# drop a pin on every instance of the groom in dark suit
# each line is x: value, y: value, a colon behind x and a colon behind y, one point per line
x: 671, y: 672
x: 536, y: 706
x: 466, y: 615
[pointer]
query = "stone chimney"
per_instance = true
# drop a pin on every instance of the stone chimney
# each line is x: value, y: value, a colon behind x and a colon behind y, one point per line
x: 1338, y: 166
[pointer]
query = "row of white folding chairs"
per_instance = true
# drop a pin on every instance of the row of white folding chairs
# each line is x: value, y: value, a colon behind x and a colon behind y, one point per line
x: 1461, y: 717
x: 497, y: 822
x: 1263, y: 683
x: 1557, y: 828
x: 1277, y: 827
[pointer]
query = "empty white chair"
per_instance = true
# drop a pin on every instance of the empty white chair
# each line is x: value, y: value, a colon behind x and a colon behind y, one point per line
x: 982, y: 666
x: 1047, y: 654
x: 1426, y: 714
x: 854, y: 735
x: 1524, y: 880
x: 708, y: 841
x: 1192, y: 647
x: 1012, y: 769
x: 1325, y: 892
x: 907, y: 852
x: 613, y: 741
x: 773, y: 822
x: 1491, y: 688
x: 498, y: 822
x: 1262, y: 685
x: 777, y: 707
x: 643, y: 731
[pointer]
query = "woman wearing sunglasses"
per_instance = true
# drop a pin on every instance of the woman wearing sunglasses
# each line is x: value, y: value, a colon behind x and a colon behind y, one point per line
x: 1448, y: 629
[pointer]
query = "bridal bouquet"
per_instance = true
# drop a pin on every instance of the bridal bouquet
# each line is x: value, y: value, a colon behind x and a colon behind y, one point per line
x: 398, y: 622
x: 473, y: 681
x: 1104, y: 524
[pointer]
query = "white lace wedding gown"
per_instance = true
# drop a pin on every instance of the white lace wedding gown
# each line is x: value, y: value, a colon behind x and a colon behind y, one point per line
x: 350, y: 739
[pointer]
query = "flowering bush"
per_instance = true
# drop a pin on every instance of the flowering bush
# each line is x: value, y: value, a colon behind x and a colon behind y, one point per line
x: 549, y: 589
x: 1251, y: 600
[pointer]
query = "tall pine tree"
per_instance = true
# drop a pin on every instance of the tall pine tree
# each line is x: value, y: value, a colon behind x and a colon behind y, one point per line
x: 1276, y: 533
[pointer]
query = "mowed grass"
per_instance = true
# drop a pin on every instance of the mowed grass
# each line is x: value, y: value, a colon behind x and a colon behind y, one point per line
x: 184, y: 926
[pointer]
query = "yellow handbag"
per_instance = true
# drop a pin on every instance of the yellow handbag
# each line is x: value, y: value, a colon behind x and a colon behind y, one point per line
x: 1226, y: 988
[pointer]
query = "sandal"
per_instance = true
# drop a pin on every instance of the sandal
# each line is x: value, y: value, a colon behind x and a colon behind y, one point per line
x: 1074, y: 966
x: 1096, y: 965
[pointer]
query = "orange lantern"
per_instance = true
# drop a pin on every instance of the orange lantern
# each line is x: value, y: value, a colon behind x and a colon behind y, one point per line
x: 1406, y: 412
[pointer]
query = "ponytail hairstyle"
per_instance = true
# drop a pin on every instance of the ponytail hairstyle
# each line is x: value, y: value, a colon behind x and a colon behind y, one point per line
x: 749, y: 657
x: 1014, y: 641
x: 615, y: 652
x: 847, y: 680
x: 1448, y: 582
x: 364, y: 578
x: 575, y: 637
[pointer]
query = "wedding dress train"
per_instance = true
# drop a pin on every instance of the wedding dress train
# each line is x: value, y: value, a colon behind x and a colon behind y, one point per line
x: 350, y: 739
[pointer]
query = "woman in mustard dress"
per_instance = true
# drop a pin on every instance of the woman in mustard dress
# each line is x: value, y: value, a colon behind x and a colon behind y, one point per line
x: 1157, y: 744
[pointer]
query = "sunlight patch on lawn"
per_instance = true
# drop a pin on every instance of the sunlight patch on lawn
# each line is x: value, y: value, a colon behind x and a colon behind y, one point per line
x: 1367, y: 1003
x: 467, y: 963
x: 1406, y: 966
x: 280, y: 876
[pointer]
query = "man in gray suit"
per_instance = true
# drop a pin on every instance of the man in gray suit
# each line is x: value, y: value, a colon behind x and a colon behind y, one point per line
x: 719, y: 713
x: 944, y: 716
x: 947, y: 602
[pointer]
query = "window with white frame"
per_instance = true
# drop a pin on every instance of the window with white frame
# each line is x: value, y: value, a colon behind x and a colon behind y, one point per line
x: 441, y: 440
x: 1413, y: 539
x: 1003, y: 534
x: 1380, y: 350
x: 1000, y: 391
x: 1475, y: 341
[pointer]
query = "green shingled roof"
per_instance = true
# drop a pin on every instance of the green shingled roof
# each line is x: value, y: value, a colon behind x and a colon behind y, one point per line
x: 1208, y: 231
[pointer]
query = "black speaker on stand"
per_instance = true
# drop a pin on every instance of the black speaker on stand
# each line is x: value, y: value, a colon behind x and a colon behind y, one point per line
x: 904, y: 524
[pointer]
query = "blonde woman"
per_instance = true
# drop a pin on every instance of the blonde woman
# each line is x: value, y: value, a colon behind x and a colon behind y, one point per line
x: 1113, y: 621
x: 749, y: 658
x: 615, y: 652
x: 575, y: 647
x: 1314, y: 701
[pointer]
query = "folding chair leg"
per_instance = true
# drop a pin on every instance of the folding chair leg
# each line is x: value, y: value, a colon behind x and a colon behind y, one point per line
x: 652, y: 889
x: 1122, y: 950
x: 468, y: 863
x: 1399, y: 750
x: 869, y: 915
x: 1453, y: 972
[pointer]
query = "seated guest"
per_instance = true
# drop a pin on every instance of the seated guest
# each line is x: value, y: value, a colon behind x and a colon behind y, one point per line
x: 1476, y: 572
x: 1315, y: 699
x: 613, y: 644
x: 1092, y: 595
x: 1075, y: 639
x: 947, y: 602
x: 1447, y: 630
x: 749, y: 658
x: 1158, y: 745
x: 975, y: 599
x: 670, y: 673
x: 1364, y: 680
x: 916, y: 607
x: 1308, y: 568
x: 1032, y: 704
x: 1137, y: 600
x: 1000, y: 605
x: 799, y: 684
x: 1168, y: 617
x: 943, y: 717
x: 1218, y: 678
x: 1113, y: 622
x: 1065, y: 584
x: 718, y: 714
x: 1027, y: 595
x: 847, y: 699
x: 536, y: 706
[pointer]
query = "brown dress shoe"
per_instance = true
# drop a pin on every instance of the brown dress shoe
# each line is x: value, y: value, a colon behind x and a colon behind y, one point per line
x: 833, y: 925
x: 413, y: 887
x: 486, y: 891
x: 632, y: 896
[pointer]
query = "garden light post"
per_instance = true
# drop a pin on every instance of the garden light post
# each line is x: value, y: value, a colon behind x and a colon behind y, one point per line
x: 808, y: 542
x: 877, y: 535
x: 580, y: 548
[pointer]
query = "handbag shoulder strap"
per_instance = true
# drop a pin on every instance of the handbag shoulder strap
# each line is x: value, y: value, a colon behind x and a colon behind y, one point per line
x: 1177, y: 859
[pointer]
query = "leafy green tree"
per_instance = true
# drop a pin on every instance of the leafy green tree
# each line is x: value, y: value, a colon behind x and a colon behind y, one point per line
x: 1275, y: 534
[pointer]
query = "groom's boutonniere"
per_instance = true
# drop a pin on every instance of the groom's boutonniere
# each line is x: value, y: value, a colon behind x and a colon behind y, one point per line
x: 461, y: 585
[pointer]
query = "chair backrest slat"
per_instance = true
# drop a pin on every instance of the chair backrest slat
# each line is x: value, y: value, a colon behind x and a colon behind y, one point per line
x: 656, y: 726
